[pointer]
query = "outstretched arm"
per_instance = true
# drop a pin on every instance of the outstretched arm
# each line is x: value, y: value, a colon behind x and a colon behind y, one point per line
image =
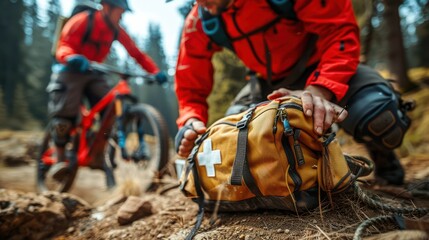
x: 194, y: 81
x: 142, y: 59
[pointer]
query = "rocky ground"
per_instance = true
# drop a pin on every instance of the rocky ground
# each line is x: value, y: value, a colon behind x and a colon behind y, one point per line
x: 91, y: 212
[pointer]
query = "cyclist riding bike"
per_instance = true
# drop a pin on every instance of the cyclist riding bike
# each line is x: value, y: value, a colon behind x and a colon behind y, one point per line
x: 311, y: 52
x: 72, y: 78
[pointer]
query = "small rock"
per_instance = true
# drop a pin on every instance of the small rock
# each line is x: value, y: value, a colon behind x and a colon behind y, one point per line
x: 134, y: 208
x: 279, y: 230
x: 287, y: 231
x: 160, y: 236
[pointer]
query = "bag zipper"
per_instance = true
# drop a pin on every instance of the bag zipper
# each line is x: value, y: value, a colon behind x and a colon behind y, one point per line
x: 288, y: 131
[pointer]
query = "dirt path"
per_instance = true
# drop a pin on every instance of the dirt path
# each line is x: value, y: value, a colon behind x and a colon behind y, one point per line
x: 89, y: 185
x: 174, y: 214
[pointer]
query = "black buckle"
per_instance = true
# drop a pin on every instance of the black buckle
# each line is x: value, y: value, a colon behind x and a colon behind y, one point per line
x: 245, y: 120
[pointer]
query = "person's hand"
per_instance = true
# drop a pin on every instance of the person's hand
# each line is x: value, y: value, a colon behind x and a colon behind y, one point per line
x: 77, y: 63
x: 186, y: 136
x: 161, y: 78
x: 315, y: 103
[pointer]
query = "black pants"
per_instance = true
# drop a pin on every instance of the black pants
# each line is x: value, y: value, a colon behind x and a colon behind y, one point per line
x: 364, y: 76
x: 369, y: 97
x: 67, y: 91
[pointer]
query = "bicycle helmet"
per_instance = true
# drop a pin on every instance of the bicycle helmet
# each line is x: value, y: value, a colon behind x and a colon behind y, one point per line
x: 118, y: 3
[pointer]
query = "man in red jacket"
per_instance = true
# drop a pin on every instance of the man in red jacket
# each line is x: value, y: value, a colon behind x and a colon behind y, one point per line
x: 86, y: 37
x: 271, y: 47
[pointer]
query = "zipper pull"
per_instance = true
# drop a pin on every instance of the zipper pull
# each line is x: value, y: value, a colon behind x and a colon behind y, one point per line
x: 276, y: 119
x: 288, y: 131
x: 297, y: 147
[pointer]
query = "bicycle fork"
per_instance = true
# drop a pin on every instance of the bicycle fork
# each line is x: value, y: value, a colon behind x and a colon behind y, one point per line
x: 119, y: 111
x: 121, y: 131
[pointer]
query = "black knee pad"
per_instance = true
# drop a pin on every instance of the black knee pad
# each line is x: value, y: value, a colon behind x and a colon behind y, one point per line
x: 376, y: 117
x: 60, y: 131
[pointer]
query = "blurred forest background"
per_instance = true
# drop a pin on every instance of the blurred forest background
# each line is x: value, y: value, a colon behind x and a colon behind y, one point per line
x: 394, y: 36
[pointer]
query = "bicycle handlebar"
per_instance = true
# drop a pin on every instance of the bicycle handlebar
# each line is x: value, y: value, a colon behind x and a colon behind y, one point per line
x: 109, y: 69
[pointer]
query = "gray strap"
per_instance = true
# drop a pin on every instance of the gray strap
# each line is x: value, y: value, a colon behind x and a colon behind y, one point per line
x: 240, y: 157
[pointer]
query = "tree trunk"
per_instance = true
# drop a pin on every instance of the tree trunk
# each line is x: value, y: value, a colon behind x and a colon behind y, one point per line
x: 396, y: 58
x: 367, y: 39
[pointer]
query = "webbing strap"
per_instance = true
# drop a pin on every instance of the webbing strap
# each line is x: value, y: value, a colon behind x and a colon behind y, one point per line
x: 240, y: 168
x: 291, y: 159
x: 240, y: 157
x: 89, y: 27
x: 200, y: 201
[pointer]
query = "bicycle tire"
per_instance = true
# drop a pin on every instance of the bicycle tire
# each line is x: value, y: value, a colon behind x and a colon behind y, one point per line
x: 44, y: 181
x: 155, y: 135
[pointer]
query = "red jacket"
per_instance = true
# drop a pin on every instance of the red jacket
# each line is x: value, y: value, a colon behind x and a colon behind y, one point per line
x: 98, y: 45
x: 337, y: 49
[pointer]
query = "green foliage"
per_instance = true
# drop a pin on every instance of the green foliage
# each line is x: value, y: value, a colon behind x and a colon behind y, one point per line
x: 11, y: 50
x: 21, y: 118
x: 363, y: 11
x: 228, y: 81
x: 154, y: 46
x: 3, y: 112
x: 161, y: 97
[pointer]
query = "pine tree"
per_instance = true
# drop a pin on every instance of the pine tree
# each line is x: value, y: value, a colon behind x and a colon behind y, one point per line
x: 53, y: 12
x: 161, y: 97
x: 11, y: 50
x: 21, y: 118
x: 3, y: 112
x: 154, y: 46
x: 39, y: 59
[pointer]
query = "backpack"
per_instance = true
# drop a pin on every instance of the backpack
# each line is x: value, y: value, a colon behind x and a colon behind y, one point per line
x: 267, y: 157
x: 213, y: 27
x: 91, y: 8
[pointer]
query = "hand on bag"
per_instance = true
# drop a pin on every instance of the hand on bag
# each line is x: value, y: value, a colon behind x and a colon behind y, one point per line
x: 161, y: 78
x: 77, y: 63
x: 187, y: 135
x: 316, y: 104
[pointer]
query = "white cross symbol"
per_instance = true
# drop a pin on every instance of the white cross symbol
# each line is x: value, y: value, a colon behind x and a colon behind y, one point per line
x: 209, y: 158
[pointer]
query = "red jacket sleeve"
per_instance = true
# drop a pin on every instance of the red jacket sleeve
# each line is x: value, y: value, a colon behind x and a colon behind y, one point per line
x: 194, y: 71
x: 143, y: 59
x: 338, y: 43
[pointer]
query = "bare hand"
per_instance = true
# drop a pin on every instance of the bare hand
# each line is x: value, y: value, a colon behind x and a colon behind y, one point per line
x: 189, y: 137
x: 314, y: 101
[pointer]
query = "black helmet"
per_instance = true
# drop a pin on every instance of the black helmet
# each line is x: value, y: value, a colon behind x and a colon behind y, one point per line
x: 118, y: 3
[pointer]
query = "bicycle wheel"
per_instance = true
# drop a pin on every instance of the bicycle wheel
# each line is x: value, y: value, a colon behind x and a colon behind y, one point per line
x: 146, y: 144
x: 46, y: 159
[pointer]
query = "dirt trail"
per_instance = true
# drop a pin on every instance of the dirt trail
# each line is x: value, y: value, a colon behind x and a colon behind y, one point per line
x: 174, y: 215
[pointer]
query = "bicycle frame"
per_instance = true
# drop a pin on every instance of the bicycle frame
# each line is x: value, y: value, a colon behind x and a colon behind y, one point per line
x: 85, y: 152
x: 116, y: 124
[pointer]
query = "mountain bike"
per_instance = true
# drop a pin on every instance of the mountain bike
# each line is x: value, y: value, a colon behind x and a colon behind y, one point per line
x: 117, y: 128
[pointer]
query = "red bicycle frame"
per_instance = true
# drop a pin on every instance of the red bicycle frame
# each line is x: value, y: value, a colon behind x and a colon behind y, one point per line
x: 86, y: 152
